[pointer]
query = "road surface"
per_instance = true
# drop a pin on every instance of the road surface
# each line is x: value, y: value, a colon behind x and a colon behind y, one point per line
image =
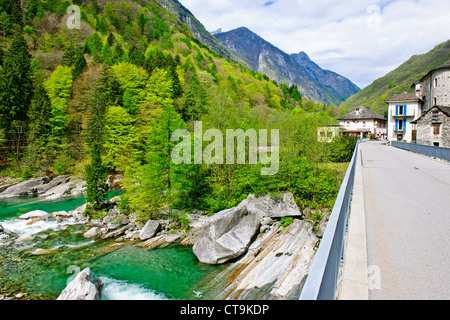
x: 407, y: 207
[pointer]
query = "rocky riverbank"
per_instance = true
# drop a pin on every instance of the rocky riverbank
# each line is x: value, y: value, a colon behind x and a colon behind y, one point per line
x: 267, y: 243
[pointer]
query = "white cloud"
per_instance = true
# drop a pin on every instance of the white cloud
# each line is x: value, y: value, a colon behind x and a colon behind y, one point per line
x: 360, y: 39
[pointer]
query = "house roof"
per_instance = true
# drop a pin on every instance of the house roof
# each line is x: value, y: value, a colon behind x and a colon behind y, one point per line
x: 403, y: 97
x: 362, y: 114
x: 445, y: 65
x: 444, y: 110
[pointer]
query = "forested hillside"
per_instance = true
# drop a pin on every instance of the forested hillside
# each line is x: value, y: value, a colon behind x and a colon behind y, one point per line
x: 105, y: 99
x: 398, y: 80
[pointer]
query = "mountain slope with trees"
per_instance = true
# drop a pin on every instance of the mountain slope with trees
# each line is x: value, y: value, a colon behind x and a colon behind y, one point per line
x: 398, y: 81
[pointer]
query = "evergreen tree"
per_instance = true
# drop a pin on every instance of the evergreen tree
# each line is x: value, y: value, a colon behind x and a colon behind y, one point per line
x: 39, y: 129
x: 80, y: 65
x: 96, y: 174
x: 16, y: 86
x: 195, y: 103
x: 96, y: 171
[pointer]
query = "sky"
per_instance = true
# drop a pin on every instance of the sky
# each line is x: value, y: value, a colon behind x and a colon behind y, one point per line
x: 362, y: 40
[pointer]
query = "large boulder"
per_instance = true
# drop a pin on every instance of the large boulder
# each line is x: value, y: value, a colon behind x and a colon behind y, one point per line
x: 83, y: 287
x: 150, y: 229
x: 228, y: 234
x: 24, y: 188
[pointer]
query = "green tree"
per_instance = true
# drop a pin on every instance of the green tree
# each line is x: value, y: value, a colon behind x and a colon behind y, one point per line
x: 119, y: 138
x: 39, y: 155
x: 59, y: 89
x: 96, y: 174
x: 16, y: 92
x: 195, y: 103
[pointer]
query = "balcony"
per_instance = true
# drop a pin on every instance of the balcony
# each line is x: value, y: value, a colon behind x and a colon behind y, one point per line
x: 407, y: 115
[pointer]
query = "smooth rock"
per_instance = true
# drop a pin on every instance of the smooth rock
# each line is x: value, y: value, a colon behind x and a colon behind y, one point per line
x: 150, y: 229
x: 83, y: 287
x: 228, y: 234
x: 34, y: 215
x: 24, y: 188
x: 93, y: 232
x: 42, y: 252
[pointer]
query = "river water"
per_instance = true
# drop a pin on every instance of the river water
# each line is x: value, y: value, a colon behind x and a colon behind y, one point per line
x: 130, y: 273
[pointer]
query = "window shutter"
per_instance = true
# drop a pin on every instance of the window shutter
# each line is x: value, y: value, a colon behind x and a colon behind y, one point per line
x: 396, y: 110
x: 396, y: 124
x: 404, y: 124
x: 405, y: 110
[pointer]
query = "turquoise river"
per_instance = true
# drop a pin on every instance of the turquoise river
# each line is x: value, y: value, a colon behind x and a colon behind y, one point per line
x: 130, y: 273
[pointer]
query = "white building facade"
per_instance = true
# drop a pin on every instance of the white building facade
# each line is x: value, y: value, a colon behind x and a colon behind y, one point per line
x: 432, y: 90
x: 363, y: 122
x: 404, y: 109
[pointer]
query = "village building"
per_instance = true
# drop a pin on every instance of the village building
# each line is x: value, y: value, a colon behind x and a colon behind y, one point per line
x: 434, y: 88
x: 363, y: 122
x: 422, y: 117
x: 404, y: 109
x: 433, y: 127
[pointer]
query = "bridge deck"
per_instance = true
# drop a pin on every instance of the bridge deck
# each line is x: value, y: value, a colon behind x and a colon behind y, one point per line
x: 407, y: 209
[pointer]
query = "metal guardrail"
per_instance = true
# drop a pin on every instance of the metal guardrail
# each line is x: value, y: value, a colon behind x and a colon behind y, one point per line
x: 322, y: 280
x: 435, y: 152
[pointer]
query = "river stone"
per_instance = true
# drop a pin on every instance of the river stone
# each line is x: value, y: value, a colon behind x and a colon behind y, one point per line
x: 34, y: 215
x: 150, y: 229
x: 228, y: 234
x: 24, y: 188
x: 83, y: 287
x: 93, y: 232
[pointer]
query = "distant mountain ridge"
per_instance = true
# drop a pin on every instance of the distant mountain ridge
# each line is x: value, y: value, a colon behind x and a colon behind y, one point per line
x: 196, y: 27
x: 314, y: 83
x: 398, y: 81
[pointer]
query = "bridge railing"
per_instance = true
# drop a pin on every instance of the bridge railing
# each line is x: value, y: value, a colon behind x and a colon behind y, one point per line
x: 322, y: 280
x: 435, y: 152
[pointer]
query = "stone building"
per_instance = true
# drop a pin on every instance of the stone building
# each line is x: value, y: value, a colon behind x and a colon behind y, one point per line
x: 433, y: 127
x: 412, y: 117
x: 434, y: 88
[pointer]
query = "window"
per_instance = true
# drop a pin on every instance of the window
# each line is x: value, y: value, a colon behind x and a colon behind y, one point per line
x: 400, y: 137
x: 436, y: 144
x: 435, y: 102
x: 435, y: 83
x: 400, y: 110
x: 400, y: 125
x: 437, y: 129
x: 364, y: 124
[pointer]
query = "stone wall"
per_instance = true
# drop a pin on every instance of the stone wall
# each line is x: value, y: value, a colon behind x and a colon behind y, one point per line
x: 441, y: 92
x: 425, y: 129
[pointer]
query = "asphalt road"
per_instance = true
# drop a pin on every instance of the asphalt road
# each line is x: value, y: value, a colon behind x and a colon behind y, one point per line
x: 407, y: 205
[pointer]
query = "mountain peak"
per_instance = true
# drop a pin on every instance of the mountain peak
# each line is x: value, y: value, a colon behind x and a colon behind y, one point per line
x: 314, y: 83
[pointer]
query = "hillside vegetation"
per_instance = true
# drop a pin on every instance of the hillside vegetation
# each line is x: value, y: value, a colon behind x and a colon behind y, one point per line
x: 398, y: 80
x: 106, y: 98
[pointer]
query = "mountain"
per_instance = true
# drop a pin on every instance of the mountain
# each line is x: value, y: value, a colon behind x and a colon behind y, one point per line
x: 398, y: 80
x: 314, y: 83
x: 196, y: 27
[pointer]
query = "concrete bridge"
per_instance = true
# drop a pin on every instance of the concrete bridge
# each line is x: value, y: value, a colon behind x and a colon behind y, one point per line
x: 388, y: 237
x: 398, y: 241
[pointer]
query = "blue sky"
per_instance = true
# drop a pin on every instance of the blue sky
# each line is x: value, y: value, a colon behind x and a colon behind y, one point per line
x: 361, y: 39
